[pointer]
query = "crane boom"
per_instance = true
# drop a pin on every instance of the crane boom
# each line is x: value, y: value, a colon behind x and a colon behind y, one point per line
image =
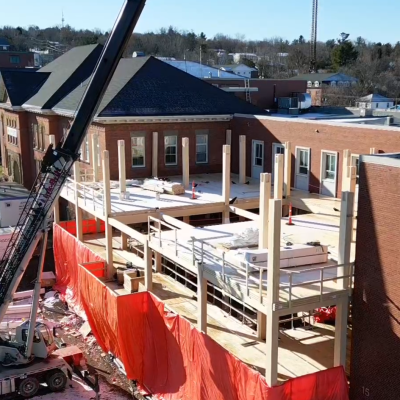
x: 313, y: 42
x: 57, y: 162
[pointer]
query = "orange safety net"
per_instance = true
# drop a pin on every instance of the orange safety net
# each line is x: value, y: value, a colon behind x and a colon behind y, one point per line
x: 88, y: 226
x: 163, y: 351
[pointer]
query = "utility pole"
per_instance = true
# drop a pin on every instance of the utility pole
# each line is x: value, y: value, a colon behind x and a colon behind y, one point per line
x: 313, y: 42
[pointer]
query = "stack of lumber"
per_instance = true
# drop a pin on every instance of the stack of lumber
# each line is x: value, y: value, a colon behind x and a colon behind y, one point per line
x: 155, y: 185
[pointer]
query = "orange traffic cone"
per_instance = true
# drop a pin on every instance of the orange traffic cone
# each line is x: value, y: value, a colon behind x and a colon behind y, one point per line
x: 193, y: 191
x: 290, y: 222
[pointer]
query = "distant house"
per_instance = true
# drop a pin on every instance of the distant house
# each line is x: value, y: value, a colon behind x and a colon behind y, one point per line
x: 240, y: 69
x: 4, y: 44
x: 237, y: 57
x: 375, y: 101
x: 317, y: 82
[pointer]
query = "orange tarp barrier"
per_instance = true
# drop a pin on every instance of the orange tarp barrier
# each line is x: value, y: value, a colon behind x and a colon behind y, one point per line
x: 163, y: 351
x: 88, y: 226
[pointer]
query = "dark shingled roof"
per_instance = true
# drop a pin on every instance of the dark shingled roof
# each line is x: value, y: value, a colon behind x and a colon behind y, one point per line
x: 21, y: 84
x: 66, y: 73
x: 146, y: 86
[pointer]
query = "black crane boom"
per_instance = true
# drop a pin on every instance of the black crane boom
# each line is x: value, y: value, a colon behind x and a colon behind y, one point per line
x: 57, y: 163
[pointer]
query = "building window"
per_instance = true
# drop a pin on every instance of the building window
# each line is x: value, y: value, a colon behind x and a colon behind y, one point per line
x: 138, y: 151
x: 85, y: 150
x: 12, y: 132
x: 98, y: 154
x: 65, y: 133
x: 201, y: 148
x: 14, y: 60
x: 35, y: 135
x: 330, y: 166
x: 171, y: 150
x: 303, y: 162
x: 40, y: 140
x: 38, y: 166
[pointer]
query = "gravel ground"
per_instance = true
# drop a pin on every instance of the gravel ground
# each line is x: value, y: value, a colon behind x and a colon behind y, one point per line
x: 113, y: 384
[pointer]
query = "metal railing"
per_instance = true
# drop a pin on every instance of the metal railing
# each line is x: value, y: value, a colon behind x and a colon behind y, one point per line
x: 92, y: 199
x: 294, y: 287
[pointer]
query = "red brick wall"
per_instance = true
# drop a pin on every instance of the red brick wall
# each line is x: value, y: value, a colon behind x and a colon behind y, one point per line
x: 268, y: 89
x: 376, y: 298
x: 26, y: 59
x: 317, y: 136
x: 216, y: 139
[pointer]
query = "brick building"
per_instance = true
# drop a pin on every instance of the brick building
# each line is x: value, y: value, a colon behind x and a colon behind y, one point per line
x: 268, y: 90
x: 376, y: 297
x: 16, y: 59
x: 317, y: 148
x: 144, y: 96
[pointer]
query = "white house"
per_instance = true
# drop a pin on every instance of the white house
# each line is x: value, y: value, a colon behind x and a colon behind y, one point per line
x: 240, y: 69
x: 375, y: 101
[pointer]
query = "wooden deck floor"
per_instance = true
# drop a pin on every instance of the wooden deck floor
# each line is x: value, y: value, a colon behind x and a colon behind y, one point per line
x: 301, y: 351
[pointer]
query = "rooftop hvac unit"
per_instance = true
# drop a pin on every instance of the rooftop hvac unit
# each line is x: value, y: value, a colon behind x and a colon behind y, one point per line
x: 288, y: 102
x: 365, y: 112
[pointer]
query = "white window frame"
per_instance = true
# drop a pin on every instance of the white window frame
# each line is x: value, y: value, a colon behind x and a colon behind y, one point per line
x: 202, y: 144
x: 139, y: 136
x: 274, y: 153
x: 254, y: 153
x: 322, y: 168
x: 308, y: 150
x: 166, y: 145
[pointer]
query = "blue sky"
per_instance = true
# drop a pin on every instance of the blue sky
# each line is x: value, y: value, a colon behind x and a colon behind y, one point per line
x: 256, y: 19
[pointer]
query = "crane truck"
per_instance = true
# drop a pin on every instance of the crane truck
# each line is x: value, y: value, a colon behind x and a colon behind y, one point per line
x: 30, y: 357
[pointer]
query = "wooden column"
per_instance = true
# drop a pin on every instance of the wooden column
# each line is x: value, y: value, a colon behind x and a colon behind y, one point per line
x: 274, y: 256
x: 78, y: 210
x: 154, y: 159
x: 344, y: 256
x: 352, y: 176
x: 201, y: 299
x: 346, y: 165
x: 148, y: 273
x: 121, y: 166
x: 265, y: 197
x: 345, y: 236
x: 242, y: 159
x: 185, y: 163
x: 261, y: 326
x: 124, y: 241
x: 287, y: 170
x: 95, y: 156
x: 226, y: 181
x: 278, y: 177
x: 228, y: 139
x: 107, y: 211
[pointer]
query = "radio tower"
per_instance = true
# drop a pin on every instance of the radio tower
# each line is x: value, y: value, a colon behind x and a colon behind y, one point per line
x: 313, y: 43
x: 62, y: 19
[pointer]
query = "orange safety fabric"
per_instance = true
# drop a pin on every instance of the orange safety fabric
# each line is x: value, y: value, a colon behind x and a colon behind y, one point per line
x: 163, y: 351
